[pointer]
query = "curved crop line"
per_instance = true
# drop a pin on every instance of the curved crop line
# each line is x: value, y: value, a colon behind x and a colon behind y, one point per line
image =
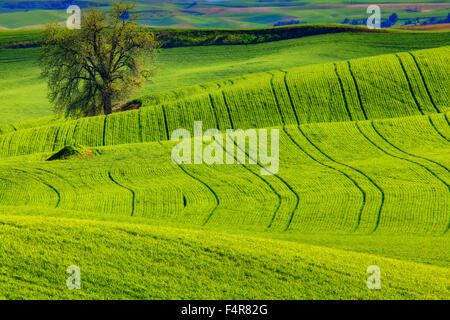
x: 104, y: 130
x: 357, y: 90
x: 436, y: 129
x: 276, y: 98
x: 141, y: 135
x: 354, y: 169
x: 266, y: 182
x: 446, y: 119
x: 56, y: 138
x: 165, y: 122
x: 343, y: 92
x: 363, y: 204
x: 10, y: 143
x: 422, y: 166
x: 214, y: 111
x: 74, y: 134
x: 56, y: 175
x: 409, y: 84
x: 44, y: 183
x: 208, y: 218
x: 263, y: 180
x: 282, y: 180
x: 228, y: 109
x: 290, y: 96
x: 129, y: 189
x: 424, y: 82
x: 410, y: 154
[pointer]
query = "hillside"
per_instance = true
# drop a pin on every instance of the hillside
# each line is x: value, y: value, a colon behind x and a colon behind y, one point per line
x: 191, y: 265
x: 405, y: 87
x: 363, y: 176
x: 350, y: 179
x: 179, y: 67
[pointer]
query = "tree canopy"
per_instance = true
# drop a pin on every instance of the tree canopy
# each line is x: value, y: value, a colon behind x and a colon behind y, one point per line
x: 90, y: 68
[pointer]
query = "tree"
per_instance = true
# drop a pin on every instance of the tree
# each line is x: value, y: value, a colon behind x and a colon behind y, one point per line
x: 102, y: 62
x: 393, y: 18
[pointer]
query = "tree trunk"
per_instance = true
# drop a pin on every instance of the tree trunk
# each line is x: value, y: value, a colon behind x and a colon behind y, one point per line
x: 107, y: 105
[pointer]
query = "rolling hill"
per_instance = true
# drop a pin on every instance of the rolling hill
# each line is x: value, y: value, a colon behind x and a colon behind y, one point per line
x: 234, y: 13
x: 363, y: 180
x: 362, y: 118
x: 187, y: 66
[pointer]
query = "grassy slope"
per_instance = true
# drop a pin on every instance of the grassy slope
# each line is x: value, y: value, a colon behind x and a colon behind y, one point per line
x: 348, y: 194
x: 135, y: 262
x: 216, y: 265
x: 407, y: 87
x: 187, y: 66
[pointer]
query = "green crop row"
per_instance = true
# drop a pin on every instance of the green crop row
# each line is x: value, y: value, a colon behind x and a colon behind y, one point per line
x: 371, y: 88
x: 361, y: 177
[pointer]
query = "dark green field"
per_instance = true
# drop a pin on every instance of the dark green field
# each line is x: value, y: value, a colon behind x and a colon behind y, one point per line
x: 240, y: 14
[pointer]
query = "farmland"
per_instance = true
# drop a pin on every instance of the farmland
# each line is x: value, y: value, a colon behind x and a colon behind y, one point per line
x: 235, y: 13
x: 364, y: 131
x: 186, y: 66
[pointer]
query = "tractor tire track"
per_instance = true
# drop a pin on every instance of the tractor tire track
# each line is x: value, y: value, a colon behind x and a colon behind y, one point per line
x: 395, y: 156
x: 211, y: 101
x: 216, y: 197
x: 404, y: 159
x: 141, y: 135
x: 228, y: 109
x: 58, y: 194
x: 411, y: 155
x: 133, y: 193
x: 166, y: 127
x: 291, y: 217
x: 56, y: 138
x: 357, y: 90
x: 380, y: 190
x: 276, y: 97
x: 364, y: 195
x: 290, y: 97
x: 343, y: 92
x: 104, y: 130
x: 409, y: 84
x: 272, y: 188
x: 243, y: 164
x: 436, y: 129
x: 424, y: 82
x: 56, y: 175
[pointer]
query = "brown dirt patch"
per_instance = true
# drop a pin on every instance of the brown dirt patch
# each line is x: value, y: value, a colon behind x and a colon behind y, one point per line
x: 132, y: 105
x: 428, y: 27
x: 422, y: 7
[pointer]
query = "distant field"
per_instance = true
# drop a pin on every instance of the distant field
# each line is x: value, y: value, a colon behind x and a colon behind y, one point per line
x: 180, y: 67
x: 433, y: 27
x: 241, y: 14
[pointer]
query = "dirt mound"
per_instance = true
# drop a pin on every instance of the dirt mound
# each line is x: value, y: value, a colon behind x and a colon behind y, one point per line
x: 132, y: 105
x: 72, y: 152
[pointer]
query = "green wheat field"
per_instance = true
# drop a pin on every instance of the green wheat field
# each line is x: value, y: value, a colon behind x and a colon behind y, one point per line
x: 364, y: 175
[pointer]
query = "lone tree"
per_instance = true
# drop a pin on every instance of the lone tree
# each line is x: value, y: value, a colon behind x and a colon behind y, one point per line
x: 102, y: 62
